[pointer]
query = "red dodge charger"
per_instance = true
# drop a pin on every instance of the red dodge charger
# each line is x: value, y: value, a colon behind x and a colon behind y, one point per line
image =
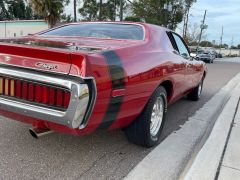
x: 79, y: 77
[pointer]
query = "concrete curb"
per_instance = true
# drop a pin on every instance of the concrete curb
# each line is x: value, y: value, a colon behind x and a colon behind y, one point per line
x: 169, y: 159
x: 206, y: 164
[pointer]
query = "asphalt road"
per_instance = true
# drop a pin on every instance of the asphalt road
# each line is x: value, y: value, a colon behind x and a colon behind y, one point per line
x: 102, y: 155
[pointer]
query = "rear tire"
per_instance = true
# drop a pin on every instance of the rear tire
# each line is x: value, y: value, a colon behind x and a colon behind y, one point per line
x: 146, y: 129
x: 195, y: 94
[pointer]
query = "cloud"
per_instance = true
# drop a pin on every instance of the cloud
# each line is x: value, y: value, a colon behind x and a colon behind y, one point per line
x: 219, y: 13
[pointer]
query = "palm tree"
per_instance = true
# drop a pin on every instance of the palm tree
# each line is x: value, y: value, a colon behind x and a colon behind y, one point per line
x: 51, y: 10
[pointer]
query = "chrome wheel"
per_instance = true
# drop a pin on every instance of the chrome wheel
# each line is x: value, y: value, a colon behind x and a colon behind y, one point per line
x: 147, y: 128
x: 157, y: 116
x: 200, y: 89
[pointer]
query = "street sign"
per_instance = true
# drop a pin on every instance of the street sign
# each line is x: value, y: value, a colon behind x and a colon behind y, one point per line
x: 204, y: 26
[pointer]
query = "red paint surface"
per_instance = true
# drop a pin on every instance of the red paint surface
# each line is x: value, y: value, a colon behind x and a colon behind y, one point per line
x: 146, y: 63
x: 118, y: 92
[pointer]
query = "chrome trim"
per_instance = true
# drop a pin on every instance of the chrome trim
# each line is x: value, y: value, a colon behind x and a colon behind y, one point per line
x: 78, y: 105
x: 39, y: 132
x: 91, y: 105
x: 3, y: 64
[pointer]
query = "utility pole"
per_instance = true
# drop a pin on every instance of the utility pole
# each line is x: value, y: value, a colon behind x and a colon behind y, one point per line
x: 121, y: 10
x: 221, y: 39
x: 75, y: 10
x: 203, y: 26
x: 100, y: 10
x: 231, y: 46
x: 185, y: 26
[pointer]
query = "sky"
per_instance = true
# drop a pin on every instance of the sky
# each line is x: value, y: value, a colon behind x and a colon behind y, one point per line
x: 69, y: 8
x: 220, y: 13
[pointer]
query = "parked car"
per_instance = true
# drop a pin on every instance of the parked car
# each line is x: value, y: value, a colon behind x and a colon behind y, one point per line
x: 206, y: 57
x: 80, y: 77
x: 214, y: 54
x: 219, y: 55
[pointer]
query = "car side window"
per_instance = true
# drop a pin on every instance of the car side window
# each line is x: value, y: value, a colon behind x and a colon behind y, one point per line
x: 183, y: 51
x: 174, y: 45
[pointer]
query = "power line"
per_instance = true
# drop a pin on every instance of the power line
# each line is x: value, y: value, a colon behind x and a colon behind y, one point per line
x: 193, y: 8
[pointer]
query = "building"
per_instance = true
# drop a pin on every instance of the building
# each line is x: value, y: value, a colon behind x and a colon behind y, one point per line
x: 230, y: 52
x: 21, y: 27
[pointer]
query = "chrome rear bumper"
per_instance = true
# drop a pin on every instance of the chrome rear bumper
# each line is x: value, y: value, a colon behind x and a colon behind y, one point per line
x: 78, y: 107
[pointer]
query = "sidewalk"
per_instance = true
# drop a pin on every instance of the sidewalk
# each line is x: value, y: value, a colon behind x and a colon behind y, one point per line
x: 219, y: 158
x: 230, y: 165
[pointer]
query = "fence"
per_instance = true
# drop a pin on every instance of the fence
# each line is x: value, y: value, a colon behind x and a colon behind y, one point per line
x: 21, y: 27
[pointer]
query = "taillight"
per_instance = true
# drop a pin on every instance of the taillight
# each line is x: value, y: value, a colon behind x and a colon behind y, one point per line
x: 41, y: 94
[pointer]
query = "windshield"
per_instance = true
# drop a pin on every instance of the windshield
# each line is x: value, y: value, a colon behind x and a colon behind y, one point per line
x: 100, y: 30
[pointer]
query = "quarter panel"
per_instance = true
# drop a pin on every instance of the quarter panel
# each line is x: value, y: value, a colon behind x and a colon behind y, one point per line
x: 145, y: 72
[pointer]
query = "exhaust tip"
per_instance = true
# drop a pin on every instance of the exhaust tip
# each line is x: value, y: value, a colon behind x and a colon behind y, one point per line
x: 38, y: 132
x: 33, y: 133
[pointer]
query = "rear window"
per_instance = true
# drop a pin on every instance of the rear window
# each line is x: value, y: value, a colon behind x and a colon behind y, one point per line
x: 100, y: 30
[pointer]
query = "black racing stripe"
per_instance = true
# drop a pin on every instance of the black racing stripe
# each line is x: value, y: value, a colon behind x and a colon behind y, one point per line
x: 117, y: 75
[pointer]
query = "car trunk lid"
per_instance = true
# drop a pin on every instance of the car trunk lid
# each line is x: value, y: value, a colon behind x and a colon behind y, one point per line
x: 55, y: 54
x: 29, y: 54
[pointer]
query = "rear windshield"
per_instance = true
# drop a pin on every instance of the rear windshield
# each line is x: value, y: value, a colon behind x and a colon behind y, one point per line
x: 100, y: 30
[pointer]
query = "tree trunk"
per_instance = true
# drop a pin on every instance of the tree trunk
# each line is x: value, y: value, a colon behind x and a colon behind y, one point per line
x: 121, y: 10
x: 75, y: 10
x: 100, y: 10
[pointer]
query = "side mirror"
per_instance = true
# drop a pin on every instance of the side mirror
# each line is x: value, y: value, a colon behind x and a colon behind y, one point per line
x: 193, y: 55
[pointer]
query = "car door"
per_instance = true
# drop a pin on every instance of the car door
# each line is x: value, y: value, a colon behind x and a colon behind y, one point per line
x: 178, y: 67
x: 187, y: 61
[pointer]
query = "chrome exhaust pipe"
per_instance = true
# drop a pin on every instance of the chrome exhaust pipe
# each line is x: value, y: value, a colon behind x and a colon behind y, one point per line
x: 38, y: 132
